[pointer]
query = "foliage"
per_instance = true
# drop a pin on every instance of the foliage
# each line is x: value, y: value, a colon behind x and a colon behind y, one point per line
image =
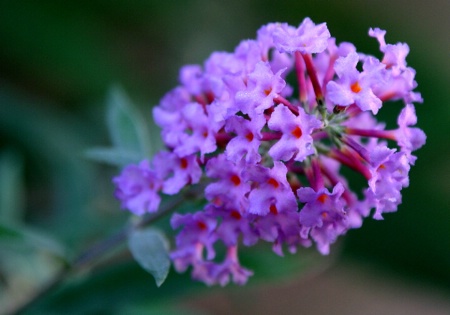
x: 59, y: 59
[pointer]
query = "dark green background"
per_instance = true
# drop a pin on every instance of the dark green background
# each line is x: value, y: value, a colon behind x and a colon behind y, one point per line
x: 59, y: 58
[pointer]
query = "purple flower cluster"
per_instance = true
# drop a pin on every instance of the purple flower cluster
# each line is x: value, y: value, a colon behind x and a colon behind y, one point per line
x: 270, y: 149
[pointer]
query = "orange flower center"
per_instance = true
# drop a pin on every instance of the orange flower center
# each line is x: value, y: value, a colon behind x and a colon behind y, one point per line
x: 273, y: 182
x: 355, y: 87
x: 322, y: 198
x: 183, y: 163
x: 235, y: 215
x: 297, y: 132
x: 217, y: 201
x: 235, y: 180
x: 273, y: 209
x: 201, y: 225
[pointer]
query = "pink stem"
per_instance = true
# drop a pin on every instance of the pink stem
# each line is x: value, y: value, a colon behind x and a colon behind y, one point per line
x: 351, y: 162
x: 319, y: 135
x: 334, y: 180
x: 313, y: 76
x: 330, y: 70
x: 309, y: 173
x: 267, y: 136
x: 223, y: 138
x: 318, y: 179
x: 363, y: 153
x: 300, y: 71
x: 281, y: 100
x: 384, y: 134
x: 199, y: 99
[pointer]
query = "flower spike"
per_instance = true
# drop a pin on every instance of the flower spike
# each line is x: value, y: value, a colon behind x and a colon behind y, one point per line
x: 269, y: 147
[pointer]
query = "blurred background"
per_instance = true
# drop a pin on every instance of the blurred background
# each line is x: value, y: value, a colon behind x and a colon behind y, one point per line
x: 58, y: 62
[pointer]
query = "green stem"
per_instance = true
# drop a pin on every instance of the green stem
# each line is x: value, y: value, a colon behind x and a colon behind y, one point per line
x: 98, y: 250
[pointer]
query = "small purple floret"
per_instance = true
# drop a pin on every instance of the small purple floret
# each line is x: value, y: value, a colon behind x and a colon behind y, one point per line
x: 137, y: 187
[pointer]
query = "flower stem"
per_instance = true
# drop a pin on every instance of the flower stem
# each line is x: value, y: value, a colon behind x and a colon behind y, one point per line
x: 313, y: 77
x: 282, y: 100
x: 91, y: 255
x: 383, y: 134
x: 300, y: 71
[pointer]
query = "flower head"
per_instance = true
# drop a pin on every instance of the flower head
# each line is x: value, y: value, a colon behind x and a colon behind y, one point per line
x: 268, y: 129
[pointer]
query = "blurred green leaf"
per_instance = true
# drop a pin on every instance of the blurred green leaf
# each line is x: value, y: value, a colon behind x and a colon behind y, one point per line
x: 28, y: 258
x: 113, y: 288
x: 7, y: 232
x: 20, y: 236
x: 150, y: 249
x: 157, y: 308
x: 124, y: 286
x: 52, y: 140
x: 113, y: 156
x: 11, y: 187
x: 127, y: 128
x: 23, y: 272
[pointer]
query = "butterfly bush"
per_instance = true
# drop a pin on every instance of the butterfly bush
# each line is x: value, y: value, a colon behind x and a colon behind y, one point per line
x: 268, y: 129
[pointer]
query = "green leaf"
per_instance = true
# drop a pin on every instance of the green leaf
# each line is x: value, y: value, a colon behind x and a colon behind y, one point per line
x: 112, y: 156
x: 7, y: 232
x: 53, y: 141
x: 150, y: 249
x: 113, y: 288
x: 167, y: 307
x: 128, y: 130
x: 11, y: 186
x: 20, y: 236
